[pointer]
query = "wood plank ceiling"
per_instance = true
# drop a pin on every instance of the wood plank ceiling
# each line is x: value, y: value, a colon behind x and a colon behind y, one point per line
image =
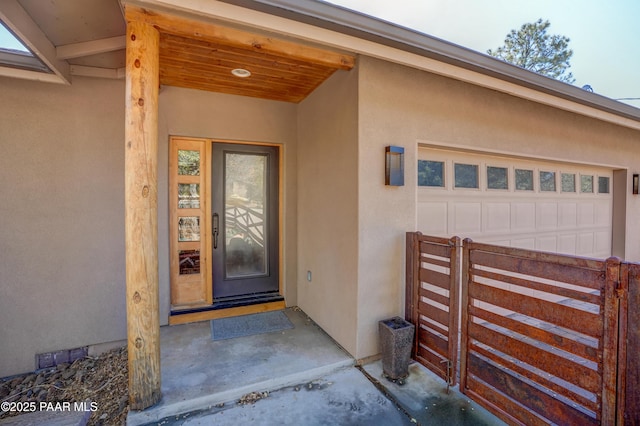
x: 199, y: 55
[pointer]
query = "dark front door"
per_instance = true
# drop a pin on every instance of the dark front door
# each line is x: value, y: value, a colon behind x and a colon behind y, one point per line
x: 245, y: 221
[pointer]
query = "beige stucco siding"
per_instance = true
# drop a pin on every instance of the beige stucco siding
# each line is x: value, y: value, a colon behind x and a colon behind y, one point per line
x: 386, y: 212
x: 62, y: 204
x: 403, y: 106
x: 61, y: 217
x: 328, y: 207
x: 195, y: 113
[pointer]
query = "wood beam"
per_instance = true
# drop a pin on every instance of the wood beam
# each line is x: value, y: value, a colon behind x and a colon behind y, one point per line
x: 189, y: 28
x: 77, y: 50
x: 111, y: 73
x: 30, y: 75
x: 19, y: 21
x: 141, y: 214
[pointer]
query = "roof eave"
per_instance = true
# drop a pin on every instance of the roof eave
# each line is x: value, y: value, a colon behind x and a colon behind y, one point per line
x: 345, y: 21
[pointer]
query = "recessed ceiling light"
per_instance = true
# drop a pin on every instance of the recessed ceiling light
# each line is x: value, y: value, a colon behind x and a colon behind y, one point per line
x: 241, y: 72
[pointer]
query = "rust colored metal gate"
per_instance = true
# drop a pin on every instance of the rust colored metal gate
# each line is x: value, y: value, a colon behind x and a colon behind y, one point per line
x: 540, y: 335
x: 544, y: 338
x: 432, y: 301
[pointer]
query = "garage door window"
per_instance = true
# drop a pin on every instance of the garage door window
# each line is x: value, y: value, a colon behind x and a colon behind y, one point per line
x: 524, y: 180
x: 532, y: 203
x: 497, y: 177
x: 568, y: 182
x: 431, y: 173
x: 586, y: 184
x: 548, y: 181
x: 466, y: 176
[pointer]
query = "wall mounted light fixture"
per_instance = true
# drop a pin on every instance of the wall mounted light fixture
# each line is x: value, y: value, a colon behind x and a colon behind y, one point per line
x: 636, y: 182
x: 394, y: 166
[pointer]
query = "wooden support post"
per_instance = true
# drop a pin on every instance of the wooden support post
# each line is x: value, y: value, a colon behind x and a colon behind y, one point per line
x: 141, y: 214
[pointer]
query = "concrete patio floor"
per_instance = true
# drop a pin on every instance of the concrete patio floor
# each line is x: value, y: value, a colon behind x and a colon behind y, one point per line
x: 310, y: 380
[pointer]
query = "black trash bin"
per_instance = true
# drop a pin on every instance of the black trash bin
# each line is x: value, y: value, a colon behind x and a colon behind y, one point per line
x: 396, y: 341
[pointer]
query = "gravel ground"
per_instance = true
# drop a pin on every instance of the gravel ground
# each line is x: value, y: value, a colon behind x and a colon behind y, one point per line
x: 102, y: 380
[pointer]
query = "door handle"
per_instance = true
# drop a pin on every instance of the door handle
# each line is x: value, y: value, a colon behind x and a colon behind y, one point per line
x: 215, y: 221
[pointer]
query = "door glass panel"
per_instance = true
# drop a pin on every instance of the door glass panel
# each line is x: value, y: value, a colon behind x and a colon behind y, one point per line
x: 603, y: 185
x: 524, y: 180
x: 188, y: 196
x: 568, y: 182
x: 430, y: 173
x: 547, y: 181
x: 245, y: 194
x: 189, y: 262
x: 188, y: 162
x: 497, y: 177
x: 465, y: 175
x: 189, y: 228
x: 586, y: 184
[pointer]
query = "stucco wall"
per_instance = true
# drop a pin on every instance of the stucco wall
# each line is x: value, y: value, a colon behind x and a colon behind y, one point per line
x: 328, y: 207
x: 62, y: 218
x: 194, y: 113
x: 62, y: 282
x: 386, y: 213
x: 403, y: 106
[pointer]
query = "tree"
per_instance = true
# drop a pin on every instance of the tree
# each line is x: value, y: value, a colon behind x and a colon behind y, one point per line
x: 533, y: 49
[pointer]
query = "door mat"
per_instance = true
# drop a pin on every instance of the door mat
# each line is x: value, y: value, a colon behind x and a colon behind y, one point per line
x: 249, y: 325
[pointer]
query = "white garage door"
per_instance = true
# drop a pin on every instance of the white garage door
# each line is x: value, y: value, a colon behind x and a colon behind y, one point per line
x: 531, y: 204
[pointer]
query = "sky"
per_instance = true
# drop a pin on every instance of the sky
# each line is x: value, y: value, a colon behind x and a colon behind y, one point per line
x: 8, y: 41
x: 604, y: 34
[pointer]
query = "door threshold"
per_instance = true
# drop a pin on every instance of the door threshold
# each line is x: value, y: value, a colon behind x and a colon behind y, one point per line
x: 229, y: 307
x: 246, y: 300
